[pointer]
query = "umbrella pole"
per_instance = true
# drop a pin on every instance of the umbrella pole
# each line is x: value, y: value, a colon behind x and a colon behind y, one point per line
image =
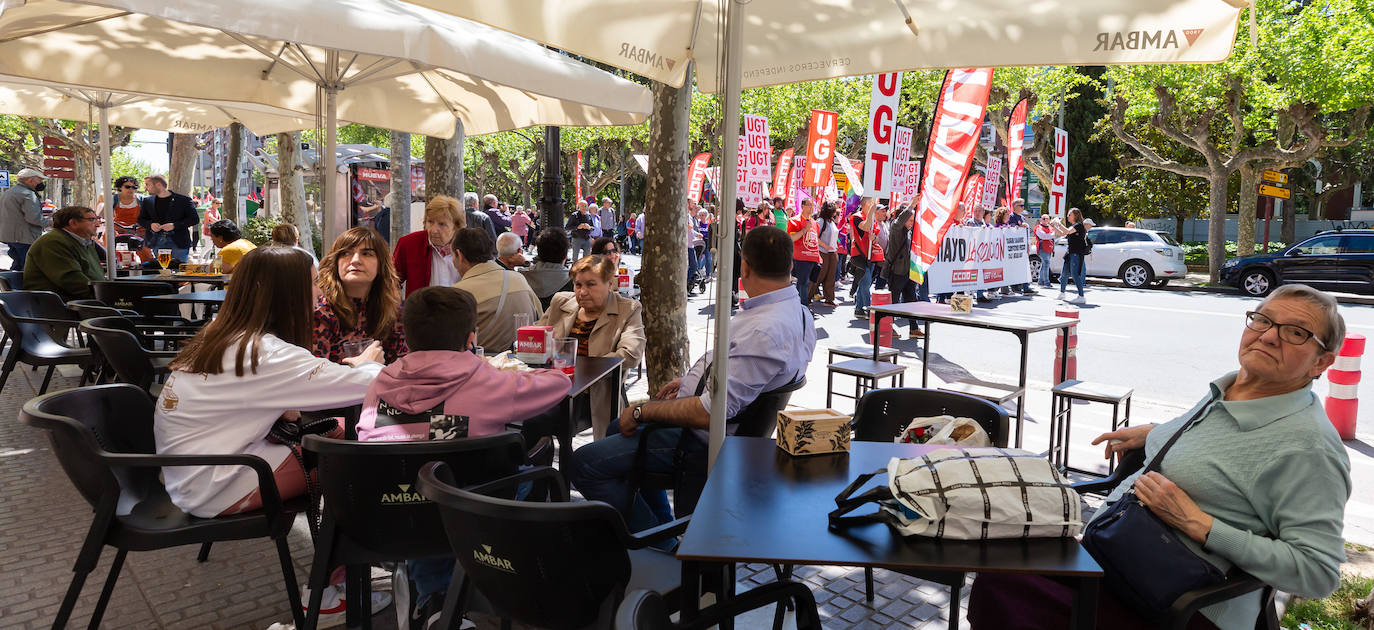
x: 726, y: 247
x: 104, y: 174
x: 334, y: 222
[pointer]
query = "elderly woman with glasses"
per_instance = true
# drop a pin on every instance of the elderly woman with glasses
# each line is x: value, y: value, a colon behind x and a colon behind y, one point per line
x: 1258, y: 480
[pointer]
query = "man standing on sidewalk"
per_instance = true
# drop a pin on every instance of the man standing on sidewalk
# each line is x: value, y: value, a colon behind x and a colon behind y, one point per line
x: 1016, y: 220
x: 21, y: 216
x: 1044, y: 247
x: 167, y: 217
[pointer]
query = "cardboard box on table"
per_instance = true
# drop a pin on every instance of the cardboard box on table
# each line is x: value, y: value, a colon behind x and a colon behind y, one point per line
x: 813, y: 431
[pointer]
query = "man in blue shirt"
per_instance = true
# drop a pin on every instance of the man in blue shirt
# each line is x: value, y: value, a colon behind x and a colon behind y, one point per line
x: 772, y: 339
x: 1016, y: 219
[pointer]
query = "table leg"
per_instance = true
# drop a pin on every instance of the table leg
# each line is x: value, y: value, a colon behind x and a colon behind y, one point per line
x: 1021, y: 400
x: 1063, y: 357
x: 691, y: 590
x: 1084, y: 615
x: 562, y: 431
x: 925, y: 356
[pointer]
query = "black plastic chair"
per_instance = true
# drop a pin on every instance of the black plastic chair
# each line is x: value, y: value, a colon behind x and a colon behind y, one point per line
x: 688, y: 477
x: 647, y: 610
x: 11, y: 281
x: 373, y: 514
x: 116, y: 342
x: 883, y: 414
x: 39, y: 324
x: 549, y: 565
x: 1237, y: 582
x: 103, y: 437
x: 134, y: 294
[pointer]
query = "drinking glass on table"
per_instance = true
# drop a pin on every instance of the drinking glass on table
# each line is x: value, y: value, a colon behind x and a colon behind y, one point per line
x: 353, y: 348
x: 522, y: 320
x: 565, y: 354
x: 164, y: 257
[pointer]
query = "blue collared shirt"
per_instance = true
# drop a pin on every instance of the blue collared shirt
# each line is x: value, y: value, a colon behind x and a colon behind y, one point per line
x: 772, y: 339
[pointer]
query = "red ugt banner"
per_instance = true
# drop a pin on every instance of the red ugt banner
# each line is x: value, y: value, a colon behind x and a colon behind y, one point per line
x: 954, y: 132
x: 820, y: 147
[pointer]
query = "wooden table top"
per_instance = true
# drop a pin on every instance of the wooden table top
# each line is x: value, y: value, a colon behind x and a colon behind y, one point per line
x: 762, y: 505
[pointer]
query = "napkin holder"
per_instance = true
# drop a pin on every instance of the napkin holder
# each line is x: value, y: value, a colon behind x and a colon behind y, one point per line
x: 813, y: 431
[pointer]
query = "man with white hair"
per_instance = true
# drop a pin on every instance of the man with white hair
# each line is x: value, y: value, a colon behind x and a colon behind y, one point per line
x: 21, y: 216
x: 508, y: 253
x: 607, y: 217
x: 477, y: 218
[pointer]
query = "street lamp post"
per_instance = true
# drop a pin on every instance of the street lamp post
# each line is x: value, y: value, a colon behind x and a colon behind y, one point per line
x: 551, y: 201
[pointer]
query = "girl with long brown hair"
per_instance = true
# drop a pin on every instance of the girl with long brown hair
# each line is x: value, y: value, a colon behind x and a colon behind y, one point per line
x: 242, y: 372
x: 361, y: 301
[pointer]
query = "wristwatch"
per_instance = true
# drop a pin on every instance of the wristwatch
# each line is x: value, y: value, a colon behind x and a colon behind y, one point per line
x: 639, y: 409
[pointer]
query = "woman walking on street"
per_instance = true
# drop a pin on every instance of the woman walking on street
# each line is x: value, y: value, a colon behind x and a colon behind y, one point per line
x: 830, y: 258
x: 1078, y: 248
x: 898, y: 270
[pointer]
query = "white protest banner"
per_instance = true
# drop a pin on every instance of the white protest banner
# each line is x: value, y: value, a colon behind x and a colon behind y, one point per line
x: 760, y: 152
x: 913, y: 179
x: 1059, y: 180
x: 994, y: 179
x: 973, y: 258
x: 794, y: 186
x: 741, y: 168
x: 882, y: 111
x: 713, y: 176
x: 901, y: 154
x: 754, y: 192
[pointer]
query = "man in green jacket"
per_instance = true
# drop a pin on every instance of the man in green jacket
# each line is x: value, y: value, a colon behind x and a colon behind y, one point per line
x: 64, y: 260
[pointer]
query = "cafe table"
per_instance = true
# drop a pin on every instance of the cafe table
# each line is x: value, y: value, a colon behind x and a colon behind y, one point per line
x: 587, y: 371
x: 1020, y: 325
x: 179, y: 278
x: 762, y: 505
x: 213, y: 298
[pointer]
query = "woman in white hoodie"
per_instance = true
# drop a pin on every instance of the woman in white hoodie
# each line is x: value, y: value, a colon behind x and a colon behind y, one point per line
x: 243, y: 371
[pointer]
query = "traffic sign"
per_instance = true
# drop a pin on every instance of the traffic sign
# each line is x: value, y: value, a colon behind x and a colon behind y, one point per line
x: 1275, y: 191
x: 1275, y: 176
x: 4, y: 179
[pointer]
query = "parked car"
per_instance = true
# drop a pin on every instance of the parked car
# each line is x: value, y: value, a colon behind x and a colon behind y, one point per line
x: 1138, y: 257
x: 1335, y: 260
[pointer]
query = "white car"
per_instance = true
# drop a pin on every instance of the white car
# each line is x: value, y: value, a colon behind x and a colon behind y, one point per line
x: 1138, y: 257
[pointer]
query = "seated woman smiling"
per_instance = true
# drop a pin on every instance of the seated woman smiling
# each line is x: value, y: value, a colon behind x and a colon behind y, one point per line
x: 242, y: 372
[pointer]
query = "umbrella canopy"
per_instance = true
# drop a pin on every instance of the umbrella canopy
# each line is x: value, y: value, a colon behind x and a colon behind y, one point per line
x: 23, y: 97
x: 375, y: 62
x: 808, y: 40
x: 737, y: 44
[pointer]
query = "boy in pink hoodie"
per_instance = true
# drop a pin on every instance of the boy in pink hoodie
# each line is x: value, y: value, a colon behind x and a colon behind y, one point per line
x: 440, y: 390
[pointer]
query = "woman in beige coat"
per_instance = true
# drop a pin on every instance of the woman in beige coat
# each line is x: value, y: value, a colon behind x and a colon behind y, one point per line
x: 605, y: 325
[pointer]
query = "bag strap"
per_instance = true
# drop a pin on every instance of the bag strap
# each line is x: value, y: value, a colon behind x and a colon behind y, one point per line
x: 505, y: 284
x: 1159, y: 457
x: 845, y: 502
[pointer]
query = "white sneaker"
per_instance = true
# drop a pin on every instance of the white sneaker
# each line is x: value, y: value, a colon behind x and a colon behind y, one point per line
x: 990, y: 295
x: 333, y: 608
x: 1063, y: 296
x: 1079, y: 300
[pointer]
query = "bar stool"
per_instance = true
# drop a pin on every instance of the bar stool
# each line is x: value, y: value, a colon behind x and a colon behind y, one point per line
x: 862, y: 351
x: 866, y: 373
x: 1061, y: 417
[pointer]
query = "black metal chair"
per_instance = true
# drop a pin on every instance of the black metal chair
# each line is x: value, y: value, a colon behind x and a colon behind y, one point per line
x: 1181, y: 612
x: 549, y: 565
x: 39, y: 324
x: 115, y: 341
x: 103, y: 437
x: 134, y: 294
x: 647, y: 610
x: 11, y: 281
x: 688, y: 477
x: 373, y: 514
x: 882, y: 414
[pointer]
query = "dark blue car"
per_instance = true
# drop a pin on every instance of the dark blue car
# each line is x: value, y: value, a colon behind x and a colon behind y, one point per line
x: 1336, y: 260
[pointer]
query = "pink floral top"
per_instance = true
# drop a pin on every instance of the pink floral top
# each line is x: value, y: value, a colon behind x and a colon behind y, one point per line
x: 329, y: 335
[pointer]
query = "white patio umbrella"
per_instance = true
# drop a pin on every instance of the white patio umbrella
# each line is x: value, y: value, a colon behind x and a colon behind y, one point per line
x: 23, y: 97
x: 737, y: 45
x: 375, y: 62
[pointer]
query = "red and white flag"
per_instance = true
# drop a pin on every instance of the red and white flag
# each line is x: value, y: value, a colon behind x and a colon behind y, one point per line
x: 955, y: 128
x: 780, y: 187
x: 820, y: 147
x: 1016, y: 146
x: 695, y: 172
x: 577, y: 176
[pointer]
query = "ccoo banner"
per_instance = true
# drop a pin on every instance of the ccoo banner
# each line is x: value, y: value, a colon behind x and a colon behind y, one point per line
x: 882, y: 112
x: 973, y: 258
x: 694, y: 174
x: 780, y: 186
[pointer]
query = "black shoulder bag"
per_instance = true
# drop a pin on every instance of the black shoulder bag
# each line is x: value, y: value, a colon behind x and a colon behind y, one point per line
x: 290, y: 433
x: 1145, y: 562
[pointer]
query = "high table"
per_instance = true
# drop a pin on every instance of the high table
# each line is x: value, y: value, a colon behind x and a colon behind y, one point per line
x: 762, y: 505
x: 587, y: 371
x: 178, y: 278
x: 1020, y: 325
x: 213, y: 298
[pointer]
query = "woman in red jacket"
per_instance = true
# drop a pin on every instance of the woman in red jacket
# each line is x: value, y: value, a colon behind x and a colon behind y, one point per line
x: 425, y: 257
